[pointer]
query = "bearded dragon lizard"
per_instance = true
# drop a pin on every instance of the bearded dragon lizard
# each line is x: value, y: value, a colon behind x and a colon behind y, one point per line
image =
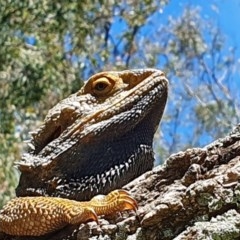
x: 93, y: 142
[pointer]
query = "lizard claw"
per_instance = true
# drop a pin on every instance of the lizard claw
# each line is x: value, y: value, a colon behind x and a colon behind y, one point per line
x: 125, y: 201
x: 115, y: 201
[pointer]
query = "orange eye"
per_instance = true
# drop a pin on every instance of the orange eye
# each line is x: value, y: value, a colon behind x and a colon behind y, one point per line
x: 102, y: 86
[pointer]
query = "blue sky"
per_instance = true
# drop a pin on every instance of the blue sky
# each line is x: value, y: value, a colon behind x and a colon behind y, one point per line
x: 226, y: 14
x: 223, y: 13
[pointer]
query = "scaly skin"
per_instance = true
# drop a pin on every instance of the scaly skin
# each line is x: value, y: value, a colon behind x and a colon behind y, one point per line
x: 36, y: 216
x: 92, y: 142
x: 97, y: 139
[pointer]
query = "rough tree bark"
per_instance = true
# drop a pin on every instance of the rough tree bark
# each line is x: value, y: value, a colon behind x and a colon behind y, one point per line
x: 194, y: 195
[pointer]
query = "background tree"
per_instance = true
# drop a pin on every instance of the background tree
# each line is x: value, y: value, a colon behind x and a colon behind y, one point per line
x: 48, y: 48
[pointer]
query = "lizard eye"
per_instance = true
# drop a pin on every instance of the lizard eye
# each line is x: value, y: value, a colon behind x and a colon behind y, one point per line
x: 102, y: 86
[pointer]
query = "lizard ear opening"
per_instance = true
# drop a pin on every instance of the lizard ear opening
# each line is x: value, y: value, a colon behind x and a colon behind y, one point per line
x: 39, y: 145
x: 56, y: 133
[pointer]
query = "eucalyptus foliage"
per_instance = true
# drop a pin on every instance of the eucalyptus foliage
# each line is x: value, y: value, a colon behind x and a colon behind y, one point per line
x: 49, y: 47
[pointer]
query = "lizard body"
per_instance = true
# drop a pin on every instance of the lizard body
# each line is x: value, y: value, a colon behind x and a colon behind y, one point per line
x: 92, y: 142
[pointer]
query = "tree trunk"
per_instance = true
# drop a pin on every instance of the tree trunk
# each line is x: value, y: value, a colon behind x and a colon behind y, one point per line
x: 194, y: 195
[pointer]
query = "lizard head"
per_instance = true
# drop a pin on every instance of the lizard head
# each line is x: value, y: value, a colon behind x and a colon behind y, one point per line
x: 103, y: 131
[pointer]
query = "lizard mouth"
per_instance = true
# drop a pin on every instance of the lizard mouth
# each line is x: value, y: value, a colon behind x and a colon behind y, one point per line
x: 146, y: 98
x: 129, y: 107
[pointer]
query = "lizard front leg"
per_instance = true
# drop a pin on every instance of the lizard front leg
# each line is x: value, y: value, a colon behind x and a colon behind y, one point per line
x: 36, y: 216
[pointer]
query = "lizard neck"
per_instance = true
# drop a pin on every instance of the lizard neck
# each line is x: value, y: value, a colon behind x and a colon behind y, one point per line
x: 112, y: 164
